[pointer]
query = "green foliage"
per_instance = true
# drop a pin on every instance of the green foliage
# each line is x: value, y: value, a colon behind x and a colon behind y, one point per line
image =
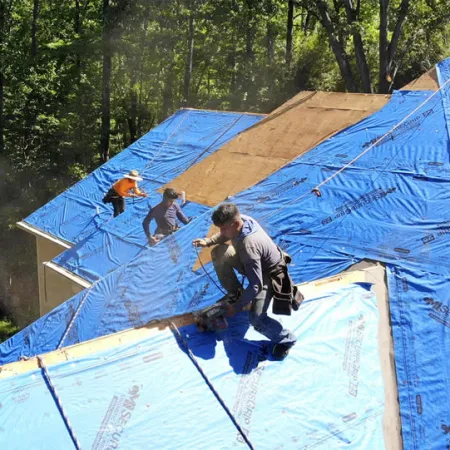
x: 7, y: 329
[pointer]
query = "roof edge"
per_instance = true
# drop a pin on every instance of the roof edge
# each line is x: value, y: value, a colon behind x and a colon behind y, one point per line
x: 39, y: 233
x: 68, y: 274
x: 223, y: 111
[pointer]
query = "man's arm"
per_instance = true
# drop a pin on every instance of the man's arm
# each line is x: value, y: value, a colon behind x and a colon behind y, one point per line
x: 181, y: 215
x: 208, y: 242
x: 216, y: 239
x: 146, y: 223
x: 253, y: 272
x: 137, y: 191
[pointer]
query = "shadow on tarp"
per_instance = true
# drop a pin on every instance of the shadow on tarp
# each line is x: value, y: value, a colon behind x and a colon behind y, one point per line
x: 244, y: 355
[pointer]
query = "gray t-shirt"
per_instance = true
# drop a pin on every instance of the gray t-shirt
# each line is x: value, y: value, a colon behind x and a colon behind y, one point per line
x: 257, y: 252
x: 165, y: 217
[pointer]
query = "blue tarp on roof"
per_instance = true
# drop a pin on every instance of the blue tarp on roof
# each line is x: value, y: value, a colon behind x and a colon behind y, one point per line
x: 165, y: 152
x: 151, y: 395
x: 391, y: 205
x: 117, y: 241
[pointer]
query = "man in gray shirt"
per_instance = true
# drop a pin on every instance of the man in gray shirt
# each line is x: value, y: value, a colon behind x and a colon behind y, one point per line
x: 165, y: 215
x: 252, y: 253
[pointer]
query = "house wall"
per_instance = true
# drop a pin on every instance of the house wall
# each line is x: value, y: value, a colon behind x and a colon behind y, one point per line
x: 54, y: 288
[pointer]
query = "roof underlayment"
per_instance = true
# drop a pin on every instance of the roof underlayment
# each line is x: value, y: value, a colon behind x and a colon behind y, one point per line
x: 341, y: 327
x: 391, y: 205
x: 288, y: 132
x: 166, y: 151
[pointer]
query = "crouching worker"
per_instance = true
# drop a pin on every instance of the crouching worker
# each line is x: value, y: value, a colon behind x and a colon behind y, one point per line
x: 165, y: 215
x: 252, y: 253
x: 126, y: 187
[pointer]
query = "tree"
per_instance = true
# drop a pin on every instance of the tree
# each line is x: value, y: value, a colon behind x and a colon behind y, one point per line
x: 388, y: 48
x: 337, y: 45
x: 81, y: 79
x: 2, y: 31
x: 190, y: 56
x: 289, y: 32
x: 353, y: 20
x: 34, y: 29
x: 106, y: 84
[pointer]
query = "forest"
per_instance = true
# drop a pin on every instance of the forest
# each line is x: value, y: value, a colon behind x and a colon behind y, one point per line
x: 82, y: 79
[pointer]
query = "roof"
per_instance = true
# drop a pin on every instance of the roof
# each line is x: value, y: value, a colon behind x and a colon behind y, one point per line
x: 291, y: 130
x: 144, y: 389
x: 390, y: 205
x: 183, y: 139
x: 426, y: 82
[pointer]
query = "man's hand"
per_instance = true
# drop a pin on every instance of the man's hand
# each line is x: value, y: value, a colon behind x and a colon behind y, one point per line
x: 199, y: 243
x: 152, y: 240
x: 229, y: 311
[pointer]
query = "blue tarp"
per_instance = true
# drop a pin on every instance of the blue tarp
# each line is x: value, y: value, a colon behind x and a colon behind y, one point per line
x: 391, y: 205
x: 151, y: 395
x: 165, y: 152
x: 117, y: 241
x: 420, y: 311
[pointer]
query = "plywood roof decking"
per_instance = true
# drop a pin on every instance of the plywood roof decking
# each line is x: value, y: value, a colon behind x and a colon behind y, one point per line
x: 290, y: 131
x: 427, y: 81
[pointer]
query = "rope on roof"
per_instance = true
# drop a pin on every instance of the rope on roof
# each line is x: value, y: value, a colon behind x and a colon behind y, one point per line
x: 191, y: 356
x: 57, y: 400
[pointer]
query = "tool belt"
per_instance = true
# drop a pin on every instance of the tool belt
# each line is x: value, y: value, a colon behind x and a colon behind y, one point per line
x: 286, y: 296
x: 111, y: 195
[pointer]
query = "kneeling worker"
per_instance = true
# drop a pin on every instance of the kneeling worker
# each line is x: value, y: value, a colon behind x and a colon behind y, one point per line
x: 252, y: 253
x: 165, y: 215
x: 126, y: 187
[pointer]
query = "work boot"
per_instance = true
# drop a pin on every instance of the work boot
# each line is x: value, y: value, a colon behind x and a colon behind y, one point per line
x: 280, y: 351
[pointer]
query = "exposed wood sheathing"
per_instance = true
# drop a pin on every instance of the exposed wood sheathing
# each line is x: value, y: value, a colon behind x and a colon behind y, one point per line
x: 288, y: 132
x: 426, y: 82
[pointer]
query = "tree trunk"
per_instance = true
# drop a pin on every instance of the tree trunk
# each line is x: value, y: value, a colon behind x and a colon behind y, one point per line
x: 270, y: 32
x: 106, y: 88
x: 383, y: 47
x: 337, y: 47
x: 2, y: 30
x: 289, y: 32
x: 167, y: 93
x: 132, y: 119
x: 361, y: 61
x: 189, y: 61
x: 233, y: 54
x: 34, y: 28
x: 270, y: 43
x: 77, y: 29
x: 249, y: 32
x: 388, y: 51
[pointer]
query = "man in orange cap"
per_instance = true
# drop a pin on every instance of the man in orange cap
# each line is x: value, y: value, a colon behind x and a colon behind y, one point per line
x: 125, y: 187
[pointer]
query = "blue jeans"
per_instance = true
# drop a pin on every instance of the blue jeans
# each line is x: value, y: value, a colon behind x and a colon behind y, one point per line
x: 226, y: 261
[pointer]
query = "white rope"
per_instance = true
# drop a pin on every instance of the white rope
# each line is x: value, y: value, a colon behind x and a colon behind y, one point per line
x: 75, y: 315
x: 167, y: 140
x: 58, y: 402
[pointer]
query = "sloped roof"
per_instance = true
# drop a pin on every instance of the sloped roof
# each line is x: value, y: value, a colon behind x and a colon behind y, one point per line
x: 288, y: 132
x: 183, y: 139
x: 141, y: 389
x: 391, y: 205
x: 427, y: 81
